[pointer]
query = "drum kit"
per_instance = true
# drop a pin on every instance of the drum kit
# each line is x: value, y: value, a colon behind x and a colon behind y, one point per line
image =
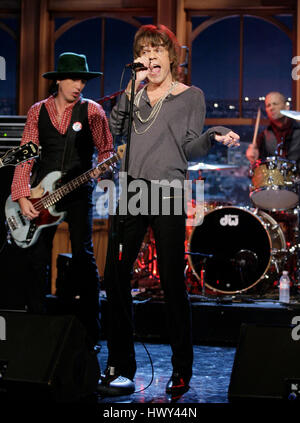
x: 237, y: 249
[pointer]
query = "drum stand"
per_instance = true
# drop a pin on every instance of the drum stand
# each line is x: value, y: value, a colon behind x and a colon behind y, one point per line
x: 202, y: 273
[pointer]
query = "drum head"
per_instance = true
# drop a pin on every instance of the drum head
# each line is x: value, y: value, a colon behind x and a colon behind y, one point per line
x: 274, y: 198
x: 274, y: 184
x: 240, y: 247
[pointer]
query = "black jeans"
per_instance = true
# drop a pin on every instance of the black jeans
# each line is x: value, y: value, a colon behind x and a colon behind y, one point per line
x: 84, y: 269
x: 169, y: 234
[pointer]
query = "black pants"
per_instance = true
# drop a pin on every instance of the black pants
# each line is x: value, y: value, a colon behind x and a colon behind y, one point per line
x: 84, y: 269
x: 169, y: 234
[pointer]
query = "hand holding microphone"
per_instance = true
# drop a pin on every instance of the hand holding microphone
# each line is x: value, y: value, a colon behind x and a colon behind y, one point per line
x: 141, y: 73
x: 136, y: 66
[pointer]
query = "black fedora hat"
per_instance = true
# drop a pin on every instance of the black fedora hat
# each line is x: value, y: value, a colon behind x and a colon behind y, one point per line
x: 72, y: 65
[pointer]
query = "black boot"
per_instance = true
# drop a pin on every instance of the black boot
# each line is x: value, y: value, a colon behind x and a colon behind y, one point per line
x: 178, y: 384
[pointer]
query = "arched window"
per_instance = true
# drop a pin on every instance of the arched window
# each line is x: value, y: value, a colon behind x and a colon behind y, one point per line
x: 267, y: 61
x: 107, y: 43
x: 237, y: 60
x: 8, y: 66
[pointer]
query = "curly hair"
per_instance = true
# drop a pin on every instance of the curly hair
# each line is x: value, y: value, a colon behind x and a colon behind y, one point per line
x: 155, y: 36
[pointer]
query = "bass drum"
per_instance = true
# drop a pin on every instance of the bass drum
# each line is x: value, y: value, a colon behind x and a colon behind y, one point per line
x: 235, y: 247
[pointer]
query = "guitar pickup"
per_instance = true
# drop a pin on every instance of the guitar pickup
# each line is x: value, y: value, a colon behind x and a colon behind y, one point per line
x: 12, y: 223
x: 31, y: 231
x: 22, y: 218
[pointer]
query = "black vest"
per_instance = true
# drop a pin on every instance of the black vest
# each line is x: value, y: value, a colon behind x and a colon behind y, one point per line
x: 72, y: 152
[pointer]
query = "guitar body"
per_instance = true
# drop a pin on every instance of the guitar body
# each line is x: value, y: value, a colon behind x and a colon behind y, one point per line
x: 26, y: 232
x: 44, y: 197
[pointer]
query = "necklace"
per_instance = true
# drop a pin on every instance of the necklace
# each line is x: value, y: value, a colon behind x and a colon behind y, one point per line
x: 59, y: 112
x: 155, y: 110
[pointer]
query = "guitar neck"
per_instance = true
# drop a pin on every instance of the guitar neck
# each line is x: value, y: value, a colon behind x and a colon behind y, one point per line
x: 67, y: 188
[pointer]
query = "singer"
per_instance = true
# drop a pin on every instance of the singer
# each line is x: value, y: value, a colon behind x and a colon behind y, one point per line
x: 167, y: 129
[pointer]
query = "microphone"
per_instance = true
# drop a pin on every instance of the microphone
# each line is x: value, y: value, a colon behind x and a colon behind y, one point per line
x: 136, y: 66
x: 185, y: 64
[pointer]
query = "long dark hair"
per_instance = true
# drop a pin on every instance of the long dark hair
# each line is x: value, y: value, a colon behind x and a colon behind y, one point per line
x: 53, y: 88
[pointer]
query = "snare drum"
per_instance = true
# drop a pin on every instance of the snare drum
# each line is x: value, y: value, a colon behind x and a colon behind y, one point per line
x: 274, y: 184
x: 239, y: 247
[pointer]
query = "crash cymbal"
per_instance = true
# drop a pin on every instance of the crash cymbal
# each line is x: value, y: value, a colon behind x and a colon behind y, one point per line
x: 291, y: 114
x: 207, y: 166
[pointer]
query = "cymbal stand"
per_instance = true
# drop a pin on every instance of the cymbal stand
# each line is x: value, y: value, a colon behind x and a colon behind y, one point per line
x: 203, y: 293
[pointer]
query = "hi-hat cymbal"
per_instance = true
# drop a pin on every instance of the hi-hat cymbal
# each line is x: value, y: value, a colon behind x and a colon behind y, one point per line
x: 291, y: 114
x: 207, y: 166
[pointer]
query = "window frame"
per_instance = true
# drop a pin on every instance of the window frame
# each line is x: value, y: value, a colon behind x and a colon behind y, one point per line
x: 214, y: 17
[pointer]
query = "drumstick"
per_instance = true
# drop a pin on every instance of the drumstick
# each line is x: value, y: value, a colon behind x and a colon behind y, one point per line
x: 256, y: 128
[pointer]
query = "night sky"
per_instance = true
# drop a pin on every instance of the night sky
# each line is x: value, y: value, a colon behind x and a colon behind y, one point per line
x: 267, y: 59
x: 215, y: 61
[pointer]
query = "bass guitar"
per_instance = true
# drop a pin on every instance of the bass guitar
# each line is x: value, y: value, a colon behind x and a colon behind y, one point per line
x: 44, y: 197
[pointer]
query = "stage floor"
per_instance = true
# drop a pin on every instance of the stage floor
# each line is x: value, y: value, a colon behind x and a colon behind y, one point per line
x: 209, y: 384
x: 216, y: 328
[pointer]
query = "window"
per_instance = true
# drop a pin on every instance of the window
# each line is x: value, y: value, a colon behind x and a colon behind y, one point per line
x: 8, y: 66
x: 107, y: 43
x: 238, y: 59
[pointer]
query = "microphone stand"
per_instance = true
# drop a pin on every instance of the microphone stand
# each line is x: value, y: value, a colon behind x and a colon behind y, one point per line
x: 130, y: 118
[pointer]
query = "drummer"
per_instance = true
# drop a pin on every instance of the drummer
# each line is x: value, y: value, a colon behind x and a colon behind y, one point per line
x: 282, y: 133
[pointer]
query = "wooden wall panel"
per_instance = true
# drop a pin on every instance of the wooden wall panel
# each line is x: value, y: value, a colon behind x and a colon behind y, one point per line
x: 166, y: 13
x: 29, y: 55
x: 238, y: 4
x: 98, y: 5
x: 46, y: 49
x: 10, y: 4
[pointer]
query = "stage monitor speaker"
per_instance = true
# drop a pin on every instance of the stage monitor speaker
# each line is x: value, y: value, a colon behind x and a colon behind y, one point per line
x: 266, y: 364
x: 45, y: 357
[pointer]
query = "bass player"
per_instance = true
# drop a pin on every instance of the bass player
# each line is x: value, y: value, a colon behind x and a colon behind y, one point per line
x: 68, y: 128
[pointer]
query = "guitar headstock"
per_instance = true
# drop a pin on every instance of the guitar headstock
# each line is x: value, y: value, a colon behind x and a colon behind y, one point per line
x: 20, y: 154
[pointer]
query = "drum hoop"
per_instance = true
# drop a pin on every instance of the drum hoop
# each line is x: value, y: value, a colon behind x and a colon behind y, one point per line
x: 270, y: 245
x: 278, y: 188
x: 261, y: 162
x: 270, y: 219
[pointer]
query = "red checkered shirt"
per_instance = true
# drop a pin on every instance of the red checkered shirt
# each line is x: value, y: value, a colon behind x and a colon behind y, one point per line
x: 98, y: 125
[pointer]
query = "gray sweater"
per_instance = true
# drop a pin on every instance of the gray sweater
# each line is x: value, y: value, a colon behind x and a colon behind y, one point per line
x: 174, y: 139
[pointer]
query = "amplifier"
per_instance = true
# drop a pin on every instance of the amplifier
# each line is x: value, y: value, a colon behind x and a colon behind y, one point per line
x: 11, y: 130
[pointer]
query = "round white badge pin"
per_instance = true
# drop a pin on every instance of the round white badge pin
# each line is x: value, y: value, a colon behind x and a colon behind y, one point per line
x: 77, y: 126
